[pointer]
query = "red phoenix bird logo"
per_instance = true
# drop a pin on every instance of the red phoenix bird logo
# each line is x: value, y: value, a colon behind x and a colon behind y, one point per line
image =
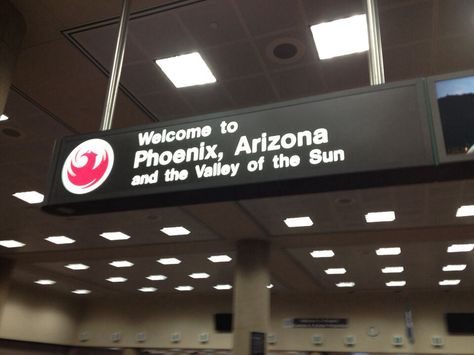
x: 87, y: 166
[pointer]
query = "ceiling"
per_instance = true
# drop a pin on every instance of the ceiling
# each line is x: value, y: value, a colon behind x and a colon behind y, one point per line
x: 59, y: 88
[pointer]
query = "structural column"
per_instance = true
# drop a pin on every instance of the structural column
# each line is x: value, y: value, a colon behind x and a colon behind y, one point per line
x: 6, y: 269
x: 251, y: 306
x: 12, y: 30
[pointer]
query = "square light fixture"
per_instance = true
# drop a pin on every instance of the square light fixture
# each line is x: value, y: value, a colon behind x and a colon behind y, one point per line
x: 77, y: 266
x: 345, y: 284
x: 220, y: 258
x: 396, y: 283
x: 458, y: 267
x: 169, y: 261
x: 112, y: 236
x: 392, y: 269
x: 60, y: 239
x: 184, y: 288
x: 174, y: 231
x: 375, y: 217
x: 388, y: 251
x: 45, y: 282
x: 116, y: 279
x: 465, y: 211
x: 148, y: 289
x: 199, y: 275
x: 341, y: 37
x: 296, y: 222
x: 223, y: 287
x: 335, y: 271
x: 81, y: 292
x: 460, y: 248
x: 449, y: 282
x: 3, y: 117
x: 186, y: 70
x: 11, y: 244
x: 322, y: 253
x: 121, y: 263
x: 156, y: 277
x: 31, y: 197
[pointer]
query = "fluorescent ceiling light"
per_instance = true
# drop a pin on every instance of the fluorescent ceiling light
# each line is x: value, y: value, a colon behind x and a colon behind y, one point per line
x: 121, y: 263
x: 459, y: 267
x: 173, y: 231
x: 184, y: 288
x: 147, y: 289
x: 169, y: 261
x: 345, y: 284
x: 374, y: 217
x: 81, y: 292
x: 220, y: 258
x: 115, y: 236
x: 388, y: 251
x: 199, y: 275
x: 223, y: 287
x: 449, y: 282
x: 60, y: 239
x: 270, y: 286
x: 396, y: 283
x: 341, y: 37
x: 45, y: 282
x: 186, y: 70
x: 298, y: 222
x: 335, y: 271
x: 465, y: 211
x: 156, y: 277
x: 117, y: 279
x: 392, y: 269
x: 31, y: 197
x: 3, y: 117
x: 460, y: 248
x: 322, y: 253
x: 77, y: 266
x: 11, y: 244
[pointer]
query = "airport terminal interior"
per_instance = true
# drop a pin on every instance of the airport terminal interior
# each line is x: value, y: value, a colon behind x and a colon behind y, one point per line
x: 359, y: 253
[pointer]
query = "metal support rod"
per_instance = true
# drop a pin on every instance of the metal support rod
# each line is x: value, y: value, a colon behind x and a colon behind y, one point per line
x: 377, y: 75
x: 114, y: 80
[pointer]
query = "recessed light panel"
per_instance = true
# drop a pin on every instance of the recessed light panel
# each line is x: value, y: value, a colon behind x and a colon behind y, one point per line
x: 345, y: 284
x: 174, y: 231
x: 77, y: 266
x: 112, y: 236
x: 147, y: 289
x: 396, y: 283
x: 11, y: 244
x: 392, y: 269
x: 186, y: 70
x: 117, y: 279
x: 121, y: 263
x: 169, y: 261
x: 388, y: 251
x: 223, y: 287
x: 31, y: 197
x: 465, y: 211
x: 460, y: 248
x: 335, y: 271
x: 295, y: 222
x: 45, y: 282
x: 458, y: 267
x: 449, y: 282
x: 61, y: 239
x: 3, y: 117
x: 341, y: 37
x: 220, y: 258
x: 156, y: 277
x: 81, y: 292
x: 184, y: 288
x: 375, y: 217
x: 322, y: 253
x: 199, y: 275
